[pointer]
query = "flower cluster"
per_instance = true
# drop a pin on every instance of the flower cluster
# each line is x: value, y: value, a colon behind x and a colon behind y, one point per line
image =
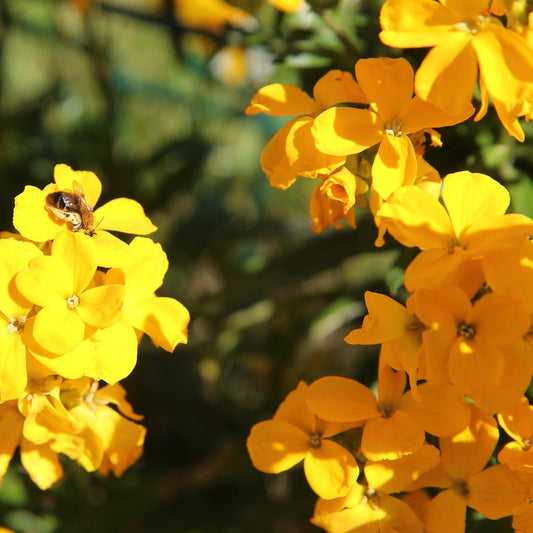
x: 391, y: 109
x: 75, y: 301
x: 450, y: 426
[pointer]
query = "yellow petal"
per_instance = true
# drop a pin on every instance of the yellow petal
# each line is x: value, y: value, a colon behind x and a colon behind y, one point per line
x: 13, y: 376
x: 57, y: 328
x: 338, y: 399
x: 345, y: 130
x: 336, y: 87
x: 124, y: 215
x: 164, y: 320
x: 15, y: 256
x: 30, y: 217
x: 116, y: 395
x: 470, y: 196
x: 289, y: 6
x: 100, y: 306
x: 377, y: 76
x: 395, y: 165
x: 279, y: 100
x: 46, y: 281
x: 396, y: 475
x: 446, y: 513
x: 390, y: 438
x: 465, y: 10
x: 414, y: 23
x: 497, y: 492
x: 505, y: 62
x: 115, y: 353
x: 451, y: 60
x: 41, y: 463
x: 276, y: 446
x: 11, y: 430
x: 416, y: 218
x: 110, y: 250
x: 331, y: 470
x: 77, y: 252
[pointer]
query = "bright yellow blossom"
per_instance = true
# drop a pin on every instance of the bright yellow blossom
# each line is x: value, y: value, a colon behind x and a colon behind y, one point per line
x: 393, y: 115
x: 395, y: 424
x: 38, y: 223
x: 464, y: 39
x: 296, y: 434
x: 292, y: 151
x: 469, y: 225
x: 59, y: 284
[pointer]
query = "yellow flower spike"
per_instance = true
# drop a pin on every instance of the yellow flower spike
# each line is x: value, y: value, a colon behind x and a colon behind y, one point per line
x: 58, y: 283
x: 14, y: 308
x: 39, y: 215
x: 164, y: 320
x: 296, y: 434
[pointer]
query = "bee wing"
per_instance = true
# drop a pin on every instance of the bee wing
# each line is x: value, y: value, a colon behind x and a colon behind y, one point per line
x: 77, y: 189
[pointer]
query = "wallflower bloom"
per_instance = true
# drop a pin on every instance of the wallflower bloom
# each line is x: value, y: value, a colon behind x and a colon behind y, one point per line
x: 38, y: 223
x: 470, y: 225
x: 292, y: 151
x: 164, y: 320
x: 393, y: 115
x: 59, y: 284
x: 464, y: 39
x: 494, y: 492
x: 395, y: 424
x: 295, y: 434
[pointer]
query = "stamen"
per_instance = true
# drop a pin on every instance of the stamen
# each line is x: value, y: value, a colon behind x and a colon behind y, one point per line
x: 73, y: 302
x: 468, y: 331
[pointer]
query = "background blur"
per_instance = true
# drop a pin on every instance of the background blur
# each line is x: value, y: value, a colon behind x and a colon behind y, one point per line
x: 150, y: 96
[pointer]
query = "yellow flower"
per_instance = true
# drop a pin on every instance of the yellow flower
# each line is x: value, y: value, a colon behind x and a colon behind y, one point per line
x: 164, y: 320
x: 393, y: 115
x: 212, y: 15
x: 296, y: 434
x: 292, y: 151
x: 464, y: 39
x: 39, y: 215
x: 59, y: 284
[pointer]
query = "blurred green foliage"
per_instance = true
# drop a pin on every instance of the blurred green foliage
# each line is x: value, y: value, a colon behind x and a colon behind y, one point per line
x: 128, y: 92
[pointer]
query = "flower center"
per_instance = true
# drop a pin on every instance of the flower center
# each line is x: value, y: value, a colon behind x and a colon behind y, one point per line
x: 386, y: 409
x: 468, y: 331
x: 461, y: 487
x: 394, y: 128
x: 473, y: 25
x: 16, y: 325
x: 315, y: 441
x: 73, y: 302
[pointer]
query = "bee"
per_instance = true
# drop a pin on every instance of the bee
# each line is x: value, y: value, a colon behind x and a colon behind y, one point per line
x: 72, y: 207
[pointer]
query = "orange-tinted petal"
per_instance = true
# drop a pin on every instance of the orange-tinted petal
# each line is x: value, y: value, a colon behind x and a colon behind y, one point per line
x: 276, y: 446
x: 10, y: 430
x: 345, y: 130
x: 279, y: 100
x: 451, y: 60
x: 164, y: 320
x: 377, y: 76
x: 396, y: 475
x: 41, y: 463
x: 390, y: 438
x: 446, y: 513
x: 414, y: 23
x: 338, y: 399
x: 330, y: 469
x: 394, y: 165
x: 336, y: 87
x: 497, y: 492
